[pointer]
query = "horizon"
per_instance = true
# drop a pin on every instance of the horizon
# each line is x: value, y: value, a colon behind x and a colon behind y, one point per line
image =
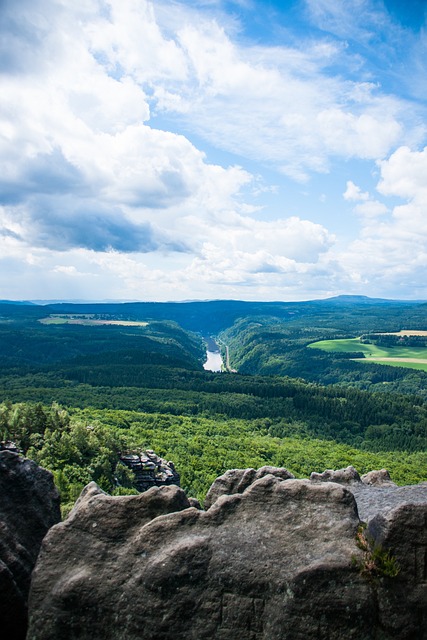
x: 77, y: 301
x: 213, y: 150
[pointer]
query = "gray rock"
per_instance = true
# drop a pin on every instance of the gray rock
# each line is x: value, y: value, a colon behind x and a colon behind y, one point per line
x: 341, y: 476
x: 150, y: 470
x: 271, y: 563
x: 194, y: 503
x: 237, y: 480
x: 378, y: 478
x: 403, y: 599
x: 29, y: 506
x: 375, y: 492
x: 373, y: 500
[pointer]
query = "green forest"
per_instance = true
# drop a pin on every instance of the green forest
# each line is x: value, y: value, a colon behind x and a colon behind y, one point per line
x: 74, y: 392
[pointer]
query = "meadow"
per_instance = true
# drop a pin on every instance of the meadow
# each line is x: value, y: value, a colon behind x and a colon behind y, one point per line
x: 408, y: 357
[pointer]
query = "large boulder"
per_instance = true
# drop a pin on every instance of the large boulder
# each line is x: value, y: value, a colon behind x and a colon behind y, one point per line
x: 238, y: 480
x: 271, y: 563
x: 383, y: 498
x: 375, y: 492
x: 29, y: 506
x: 403, y: 599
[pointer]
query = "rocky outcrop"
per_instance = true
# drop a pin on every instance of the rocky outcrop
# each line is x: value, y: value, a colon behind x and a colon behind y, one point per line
x: 403, y: 600
x: 29, y: 506
x: 150, y: 470
x: 277, y: 560
x: 341, y: 476
x: 375, y: 492
x: 379, y: 478
x: 238, y: 480
x: 373, y: 500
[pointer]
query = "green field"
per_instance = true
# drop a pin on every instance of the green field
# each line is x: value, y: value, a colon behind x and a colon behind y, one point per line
x: 410, y: 357
x: 90, y: 321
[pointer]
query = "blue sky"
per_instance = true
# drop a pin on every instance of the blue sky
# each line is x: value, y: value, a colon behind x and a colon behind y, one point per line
x: 206, y: 149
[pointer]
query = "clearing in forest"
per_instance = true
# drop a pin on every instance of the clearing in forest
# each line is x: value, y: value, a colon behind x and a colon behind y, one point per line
x: 397, y: 356
x: 89, y: 320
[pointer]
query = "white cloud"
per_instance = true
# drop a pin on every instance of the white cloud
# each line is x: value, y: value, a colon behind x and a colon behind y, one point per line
x: 392, y: 255
x: 404, y: 175
x: 78, y: 164
x: 368, y: 208
x: 69, y: 270
x: 297, y: 114
x: 353, y: 192
x: 371, y: 209
x: 94, y: 193
x: 130, y: 38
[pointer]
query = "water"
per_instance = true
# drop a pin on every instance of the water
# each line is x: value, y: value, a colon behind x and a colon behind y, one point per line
x: 214, y: 360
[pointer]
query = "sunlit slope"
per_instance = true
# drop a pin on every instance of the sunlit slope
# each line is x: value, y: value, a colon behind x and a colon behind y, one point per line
x: 415, y: 357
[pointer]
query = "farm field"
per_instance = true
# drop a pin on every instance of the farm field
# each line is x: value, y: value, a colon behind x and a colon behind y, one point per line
x: 90, y: 321
x: 411, y: 357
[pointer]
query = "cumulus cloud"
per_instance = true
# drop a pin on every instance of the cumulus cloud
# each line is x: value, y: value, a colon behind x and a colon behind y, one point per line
x: 61, y: 224
x: 404, y: 174
x: 353, y: 192
x: 298, y: 114
x: 79, y: 167
x: 94, y: 187
x: 391, y: 255
x: 371, y: 209
x: 368, y: 208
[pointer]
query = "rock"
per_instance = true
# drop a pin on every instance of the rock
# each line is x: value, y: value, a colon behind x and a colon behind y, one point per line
x: 375, y: 492
x: 29, y: 506
x: 373, y: 500
x: 271, y: 563
x: 8, y: 445
x: 342, y: 476
x: 120, y: 515
x: 237, y: 480
x: 404, y: 531
x: 150, y: 470
x: 195, y: 503
x: 378, y: 478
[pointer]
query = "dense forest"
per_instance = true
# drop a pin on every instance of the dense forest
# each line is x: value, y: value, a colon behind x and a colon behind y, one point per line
x: 269, y: 345
x: 75, y: 392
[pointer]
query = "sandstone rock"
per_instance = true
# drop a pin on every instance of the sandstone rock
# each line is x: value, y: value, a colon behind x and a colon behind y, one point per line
x: 403, y: 530
x: 150, y: 470
x: 271, y: 563
x: 342, y: 476
x: 194, y: 503
x: 29, y: 506
x: 373, y: 500
x: 378, y: 478
x: 237, y: 480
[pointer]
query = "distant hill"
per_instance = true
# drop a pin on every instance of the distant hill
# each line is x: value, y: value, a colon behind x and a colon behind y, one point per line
x: 353, y: 299
x: 211, y: 317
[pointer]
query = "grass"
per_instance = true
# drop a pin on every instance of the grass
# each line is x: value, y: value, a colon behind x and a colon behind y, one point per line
x: 91, y: 322
x: 373, y: 353
x: 420, y: 366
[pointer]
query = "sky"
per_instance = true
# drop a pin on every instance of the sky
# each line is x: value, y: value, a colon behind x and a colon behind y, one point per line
x: 213, y: 149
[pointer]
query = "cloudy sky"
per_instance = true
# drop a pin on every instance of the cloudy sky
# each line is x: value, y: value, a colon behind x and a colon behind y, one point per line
x: 200, y: 149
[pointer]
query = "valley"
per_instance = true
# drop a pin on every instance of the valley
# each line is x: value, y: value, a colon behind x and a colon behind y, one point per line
x: 132, y: 376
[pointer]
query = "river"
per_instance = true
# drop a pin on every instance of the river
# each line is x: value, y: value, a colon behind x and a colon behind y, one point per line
x: 214, y: 360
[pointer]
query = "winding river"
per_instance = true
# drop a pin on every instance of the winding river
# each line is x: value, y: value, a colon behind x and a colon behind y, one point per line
x: 214, y: 360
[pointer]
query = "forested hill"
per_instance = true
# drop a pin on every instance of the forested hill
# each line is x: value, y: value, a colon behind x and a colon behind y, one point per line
x: 214, y: 316
x: 79, y: 383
